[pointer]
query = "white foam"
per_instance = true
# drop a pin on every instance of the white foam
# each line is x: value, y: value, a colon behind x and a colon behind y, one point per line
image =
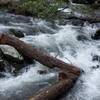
x: 30, y: 76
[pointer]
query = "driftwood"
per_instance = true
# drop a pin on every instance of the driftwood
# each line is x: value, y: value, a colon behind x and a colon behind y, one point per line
x: 55, y: 91
x: 66, y: 79
x: 34, y: 53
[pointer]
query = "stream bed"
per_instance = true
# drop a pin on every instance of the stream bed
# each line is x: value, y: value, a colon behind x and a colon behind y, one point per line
x: 70, y: 43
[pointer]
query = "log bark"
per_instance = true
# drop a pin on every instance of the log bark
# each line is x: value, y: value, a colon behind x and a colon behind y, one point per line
x: 55, y: 91
x: 66, y: 79
x: 34, y: 53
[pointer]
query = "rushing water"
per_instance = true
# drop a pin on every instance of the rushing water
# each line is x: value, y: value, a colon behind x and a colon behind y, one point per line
x: 59, y: 41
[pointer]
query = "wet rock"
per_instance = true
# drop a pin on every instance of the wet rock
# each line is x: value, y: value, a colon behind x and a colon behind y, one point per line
x: 11, y: 53
x: 17, y: 67
x: 11, y: 61
x: 95, y: 67
x: 1, y: 65
x: 82, y: 38
x: 5, y: 67
x: 77, y: 22
x: 41, y: 72
x: 16, y: 33
x: 1, y: 61
x: 96, y: 36
x: 96, y: 58
x: 85, y: 12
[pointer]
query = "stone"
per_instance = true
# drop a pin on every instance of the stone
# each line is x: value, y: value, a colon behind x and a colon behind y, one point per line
x: 1, y: 65
x: 11, y: 53
x: 77, y: 22
x: 42, y: 72
x: 96, y: 36
x: 17, y: 33
x: 82, y: 38
x: 95, y: 67
x: 96, y: 58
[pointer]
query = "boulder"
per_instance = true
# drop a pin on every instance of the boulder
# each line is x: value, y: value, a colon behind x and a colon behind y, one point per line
x: 11, y: 54
x: 17, y: 33
x: 82, y: 38
x: 96, y: 36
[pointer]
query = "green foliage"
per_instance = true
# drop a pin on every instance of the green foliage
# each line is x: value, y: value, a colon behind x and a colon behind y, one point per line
x: 44, y: 9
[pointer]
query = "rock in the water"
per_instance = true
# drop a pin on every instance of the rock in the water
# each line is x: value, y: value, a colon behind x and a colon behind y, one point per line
x: 16, y: 33
x: 82, y: 38
x: 42, y: 72
x: 95, y: 67
x: 77, y: 22
x: 96, y: 58
x: 96, y: 36
x: 11, y: 53
x: 1, y: 65
x: 1, y: 61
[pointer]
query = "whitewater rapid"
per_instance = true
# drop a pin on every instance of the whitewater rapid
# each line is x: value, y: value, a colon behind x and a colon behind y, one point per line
x: 62, y: 43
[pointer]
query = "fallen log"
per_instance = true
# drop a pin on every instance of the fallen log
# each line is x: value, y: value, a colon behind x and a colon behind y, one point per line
x: 34, y: 53
x: 66, y: 79
x: 55, y: 91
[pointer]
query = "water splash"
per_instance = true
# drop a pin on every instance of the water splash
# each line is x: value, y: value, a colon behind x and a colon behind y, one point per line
x: 64, y: 44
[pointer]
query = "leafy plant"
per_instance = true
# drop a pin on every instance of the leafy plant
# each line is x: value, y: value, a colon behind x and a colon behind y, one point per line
x: 45, y: 9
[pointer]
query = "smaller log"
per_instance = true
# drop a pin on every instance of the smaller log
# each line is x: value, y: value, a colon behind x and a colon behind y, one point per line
x: 57, y: 90
x: 54, y: 92
x: 64, y: 75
